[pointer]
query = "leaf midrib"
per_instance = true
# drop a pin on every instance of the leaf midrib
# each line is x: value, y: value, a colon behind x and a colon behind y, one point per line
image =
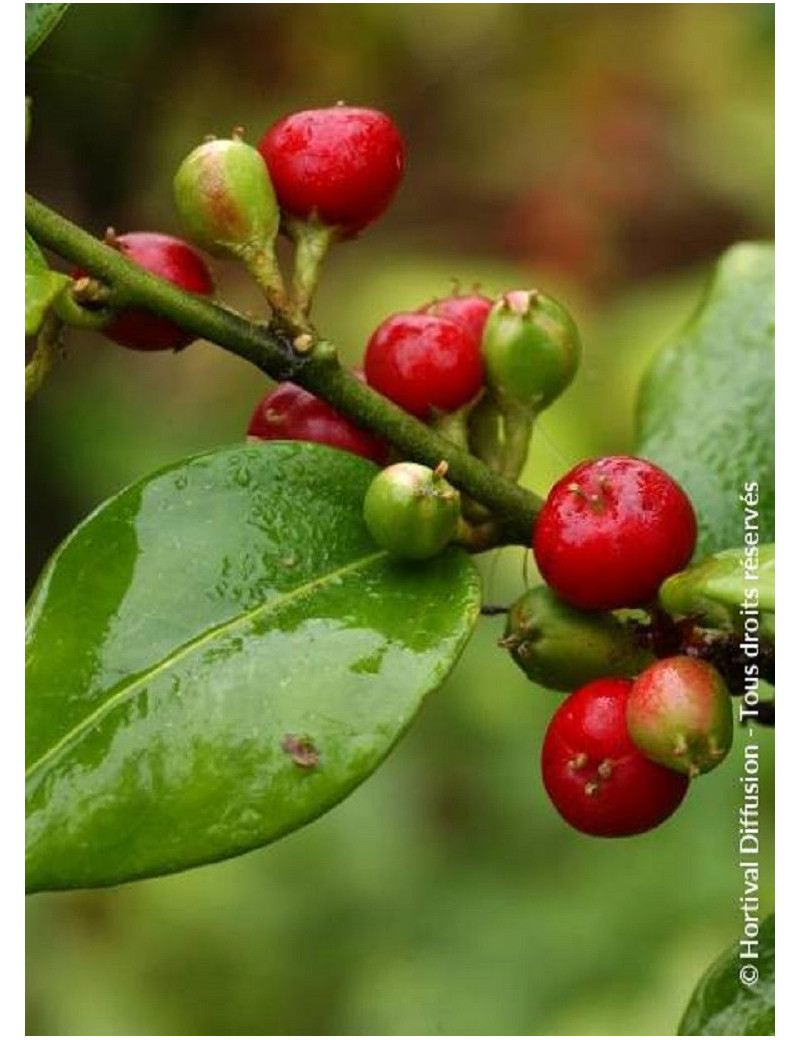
x: 125, y: 692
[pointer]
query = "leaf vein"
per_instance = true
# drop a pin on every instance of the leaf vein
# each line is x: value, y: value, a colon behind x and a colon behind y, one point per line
x: 124, y: 693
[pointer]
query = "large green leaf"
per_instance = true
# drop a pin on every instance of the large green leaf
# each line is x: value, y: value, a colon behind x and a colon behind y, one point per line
x: 41, y: 286
x: 724, y: 1005
x: 40, y: 20
x: 707, y: 404
x: 218, y: 655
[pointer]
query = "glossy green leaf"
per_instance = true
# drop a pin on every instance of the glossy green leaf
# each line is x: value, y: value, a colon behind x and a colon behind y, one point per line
x: 725, y: 1005
x: 217, y: 656
x: 706, y: 410
x: 41, y: 286
x: 40, y: 20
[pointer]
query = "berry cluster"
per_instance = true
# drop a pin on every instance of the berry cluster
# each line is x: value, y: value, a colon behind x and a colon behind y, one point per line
x: 443, y: 364
x: 619, y: 752
x: 332, y: 169
x: 478, y: 369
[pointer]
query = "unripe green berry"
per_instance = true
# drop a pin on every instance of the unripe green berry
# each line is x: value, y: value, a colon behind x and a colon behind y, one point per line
x: 679, y: 715
x: 531, y: 347
x: 412, y: 511
x: 562, y: 648
x: 225, y: 198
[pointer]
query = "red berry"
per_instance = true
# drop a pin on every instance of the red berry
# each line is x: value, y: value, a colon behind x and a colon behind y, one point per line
x: 173, y: 260
x: 611, y: 531
x: 423, y: 362
x: 289, y: 413
x: 341, y: 164
x: 469, y: 310
x: 595, y: 776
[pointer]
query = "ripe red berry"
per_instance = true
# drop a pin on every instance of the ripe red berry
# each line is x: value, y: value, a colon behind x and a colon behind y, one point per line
x: 173, y: 260
x: 341, y: 164
x: 470, y: 310
x: 424, y: 362
x: 611, y: 531
x: 289, y: 413
x: 595, y: 776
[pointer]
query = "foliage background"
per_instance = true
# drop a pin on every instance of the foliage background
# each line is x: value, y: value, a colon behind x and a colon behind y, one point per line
x: 605, y: 152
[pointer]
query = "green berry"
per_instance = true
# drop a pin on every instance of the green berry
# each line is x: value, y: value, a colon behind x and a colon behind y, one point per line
x: 225, y: 198
x: 563, y: 648
x: 412, y: 511
x: 531, y: 348
x: 679, y: 715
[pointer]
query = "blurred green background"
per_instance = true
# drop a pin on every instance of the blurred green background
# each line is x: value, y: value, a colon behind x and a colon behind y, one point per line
x: 604, y: 152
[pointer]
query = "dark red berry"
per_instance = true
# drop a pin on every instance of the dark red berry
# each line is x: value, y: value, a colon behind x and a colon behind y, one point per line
x: 341, y: 164
x: 423, y: 362
x: 611, y: 531
x: 470, y: 310
x: 595, y: 776
x: 173, y: 260
x: 289, y: 413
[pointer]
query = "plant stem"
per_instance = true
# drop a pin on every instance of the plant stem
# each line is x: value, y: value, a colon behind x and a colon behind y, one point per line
x: 269, y: 348
x: 484, y: 432
x: 312, y: 242
x: 44, y: 354
x: 263, y: 266
x: 517, y: 430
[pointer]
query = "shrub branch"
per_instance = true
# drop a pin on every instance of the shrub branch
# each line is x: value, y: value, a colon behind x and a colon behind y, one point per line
x: 270, y: 347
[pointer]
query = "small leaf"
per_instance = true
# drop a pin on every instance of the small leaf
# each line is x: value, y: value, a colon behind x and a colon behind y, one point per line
x: 714, y: 588
x: 706, y: 410
x: 217, y: 656
x: 40, y: 20
x: 41, y: 286
x: 724, y: 1005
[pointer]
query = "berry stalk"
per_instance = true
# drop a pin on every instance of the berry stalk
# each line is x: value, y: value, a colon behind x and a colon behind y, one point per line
x: 44, y: 355
x: 312, y: 242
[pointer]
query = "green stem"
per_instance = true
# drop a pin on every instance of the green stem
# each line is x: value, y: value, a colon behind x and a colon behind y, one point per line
x: 44, y: 355
x: 517, y: 430
x: 484, y: 432
x: 71, y: 311
x: 477, y: 537
x: 453, y: 426
x: 312, y: 242
x: 263, y: 266
x: 269, y: 348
